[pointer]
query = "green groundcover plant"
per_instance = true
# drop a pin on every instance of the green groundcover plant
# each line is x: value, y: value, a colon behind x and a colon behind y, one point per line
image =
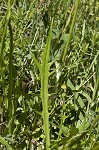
x: 49, y: 75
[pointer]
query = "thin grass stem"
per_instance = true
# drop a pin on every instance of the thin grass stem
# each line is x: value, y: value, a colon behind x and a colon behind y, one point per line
x: 71, y: 30
x: 10, y: 77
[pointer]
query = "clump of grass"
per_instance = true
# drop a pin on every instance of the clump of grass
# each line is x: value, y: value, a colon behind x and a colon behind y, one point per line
x: 57, y: 61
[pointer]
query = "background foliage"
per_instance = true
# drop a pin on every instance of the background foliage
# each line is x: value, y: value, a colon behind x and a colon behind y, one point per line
x: 73, y: 87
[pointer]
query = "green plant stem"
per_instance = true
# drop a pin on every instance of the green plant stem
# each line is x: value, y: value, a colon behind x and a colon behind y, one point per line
x: 10, y: 78
x: 96, y: 89
x: 3, y: 46
x: 44, y: 71
x: 71, y: 31
x: 44, y: 96
x: 2, y: 64
x: 44, y: 74
x: 4, y: 35
x: 7, y: 23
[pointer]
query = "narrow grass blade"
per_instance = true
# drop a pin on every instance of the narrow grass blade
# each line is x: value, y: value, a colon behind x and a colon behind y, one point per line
x: 4, y: 142
x: 10, y: 77
x: 71, y: 31
x: 35, y: 60
x: 44, y: 73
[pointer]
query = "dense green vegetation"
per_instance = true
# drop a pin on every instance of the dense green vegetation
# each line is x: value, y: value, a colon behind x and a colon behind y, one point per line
x: 49, y: 75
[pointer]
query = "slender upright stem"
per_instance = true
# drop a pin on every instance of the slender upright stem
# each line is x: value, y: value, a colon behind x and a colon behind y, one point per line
x: 44, y: 96
x: 44, y: 74
x: 44, y: 71
x: 71, y: 30
x: 10, y: 78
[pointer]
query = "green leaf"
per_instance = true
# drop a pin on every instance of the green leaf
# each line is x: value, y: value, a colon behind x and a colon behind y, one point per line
x: 73, y: 131
x: 80, y: 101
x: 35, y: 60
x: 46, y: 52
x: 69, y: 84
x: 87, y: 96
x: 96, y: 147
x: 55, y: 33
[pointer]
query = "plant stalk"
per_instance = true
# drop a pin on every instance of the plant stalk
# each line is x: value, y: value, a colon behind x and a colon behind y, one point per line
x: 71, y: 30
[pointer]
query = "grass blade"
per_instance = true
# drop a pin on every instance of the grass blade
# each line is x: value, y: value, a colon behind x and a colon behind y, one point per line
x: 10, y: 77
x: 4, y: 142
x: 35, y: 60
x: 44, y: 72
x: 71, y: 30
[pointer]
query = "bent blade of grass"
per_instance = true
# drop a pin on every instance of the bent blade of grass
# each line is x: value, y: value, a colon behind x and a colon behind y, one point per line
x: 4, y: 142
